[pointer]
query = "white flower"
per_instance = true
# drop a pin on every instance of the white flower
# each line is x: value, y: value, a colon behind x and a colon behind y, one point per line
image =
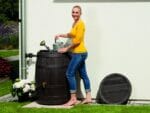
x: 23, y: 86
x: 26, y: 88
x: 32, y: 86
x: 23, y: 82
x: 17, y: 85
x: 30, y: 94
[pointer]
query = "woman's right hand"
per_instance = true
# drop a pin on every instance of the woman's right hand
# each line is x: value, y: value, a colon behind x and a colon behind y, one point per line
x: 57, y: 36
x: 61, y: 35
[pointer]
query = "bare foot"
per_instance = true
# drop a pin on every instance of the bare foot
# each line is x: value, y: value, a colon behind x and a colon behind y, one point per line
x: 70, y: 103
x: 87, y: 101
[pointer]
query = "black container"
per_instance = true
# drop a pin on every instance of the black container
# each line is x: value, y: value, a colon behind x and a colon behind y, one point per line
x: 51, y: 82
x: 114, y: 89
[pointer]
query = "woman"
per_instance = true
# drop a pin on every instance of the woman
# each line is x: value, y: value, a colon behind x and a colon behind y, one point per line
x: 78, y: 57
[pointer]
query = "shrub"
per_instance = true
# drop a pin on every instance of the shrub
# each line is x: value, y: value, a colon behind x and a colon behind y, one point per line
x: 14, y: 41
x: 9, y: 36
x: 5, y: 67
x: 24, y: 89
x: 15, y: 70
x: 3, y: 18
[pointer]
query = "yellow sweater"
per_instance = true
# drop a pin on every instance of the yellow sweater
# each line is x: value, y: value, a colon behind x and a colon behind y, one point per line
x: 77, y: 35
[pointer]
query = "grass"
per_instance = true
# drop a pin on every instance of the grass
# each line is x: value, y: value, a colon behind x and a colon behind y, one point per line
x: 5, y: 87
x: 15, y: 107
x: 7, y: 53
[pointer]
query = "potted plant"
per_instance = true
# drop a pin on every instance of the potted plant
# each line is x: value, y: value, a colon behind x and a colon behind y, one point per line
x: 23, y: 89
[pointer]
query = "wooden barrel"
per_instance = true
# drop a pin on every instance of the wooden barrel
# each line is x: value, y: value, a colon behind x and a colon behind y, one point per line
x: 115, y: 89
x: 51, y: 82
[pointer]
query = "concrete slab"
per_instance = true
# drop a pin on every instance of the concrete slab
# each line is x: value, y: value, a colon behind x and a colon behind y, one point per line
x: 8, y: 98
x: 36, y: 105
x: 12, y: 58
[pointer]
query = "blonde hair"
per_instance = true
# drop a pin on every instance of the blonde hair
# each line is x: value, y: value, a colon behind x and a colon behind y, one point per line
x: 79, y: 7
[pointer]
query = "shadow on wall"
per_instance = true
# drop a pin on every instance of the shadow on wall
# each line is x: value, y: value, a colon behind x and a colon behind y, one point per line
x: 71, y: 1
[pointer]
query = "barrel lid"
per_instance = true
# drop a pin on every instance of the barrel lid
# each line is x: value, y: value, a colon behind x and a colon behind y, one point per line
x: 51, y: 53
x: 115, y: 89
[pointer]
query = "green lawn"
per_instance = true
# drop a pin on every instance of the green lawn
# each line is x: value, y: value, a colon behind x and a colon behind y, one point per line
x: 7, y: 53
x: 5, y: 87
x: 15, y: 107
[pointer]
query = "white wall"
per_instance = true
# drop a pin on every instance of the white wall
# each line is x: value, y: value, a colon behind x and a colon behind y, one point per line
x: 117, y: 38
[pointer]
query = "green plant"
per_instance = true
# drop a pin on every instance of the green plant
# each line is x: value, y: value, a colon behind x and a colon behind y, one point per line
x: 15, y: 70
x: 23, y: 89
x: 14, y: 41
x: 5, y: 67
x: 3, y: 18
x: 9, y: 8
x: 9, y: 35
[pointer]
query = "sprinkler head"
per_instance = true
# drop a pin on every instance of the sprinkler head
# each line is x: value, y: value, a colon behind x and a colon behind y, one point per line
x: 42, y: 43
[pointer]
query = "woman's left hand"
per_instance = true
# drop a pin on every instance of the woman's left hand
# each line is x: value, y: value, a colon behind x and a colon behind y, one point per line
x: 63, y: 50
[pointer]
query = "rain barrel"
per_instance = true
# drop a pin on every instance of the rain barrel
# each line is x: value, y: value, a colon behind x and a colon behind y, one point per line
x: 115, y: 89
x: 51, y: 83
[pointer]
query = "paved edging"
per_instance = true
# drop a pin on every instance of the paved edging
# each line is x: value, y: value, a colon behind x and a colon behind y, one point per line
x: 8, y: 98
x: 12, y: 58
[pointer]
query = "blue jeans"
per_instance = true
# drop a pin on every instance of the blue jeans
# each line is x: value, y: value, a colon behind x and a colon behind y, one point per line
x: 77, y: 63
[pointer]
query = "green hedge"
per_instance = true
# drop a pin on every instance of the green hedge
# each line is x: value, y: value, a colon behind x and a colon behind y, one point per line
x: 9, y: 42
x: 15, y: 70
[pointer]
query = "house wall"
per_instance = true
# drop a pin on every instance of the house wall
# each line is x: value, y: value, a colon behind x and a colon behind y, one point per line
x: 117, y: 38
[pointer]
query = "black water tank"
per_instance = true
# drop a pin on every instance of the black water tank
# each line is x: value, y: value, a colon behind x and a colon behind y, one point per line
x: 51, y: 82
x: 115, y: 89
